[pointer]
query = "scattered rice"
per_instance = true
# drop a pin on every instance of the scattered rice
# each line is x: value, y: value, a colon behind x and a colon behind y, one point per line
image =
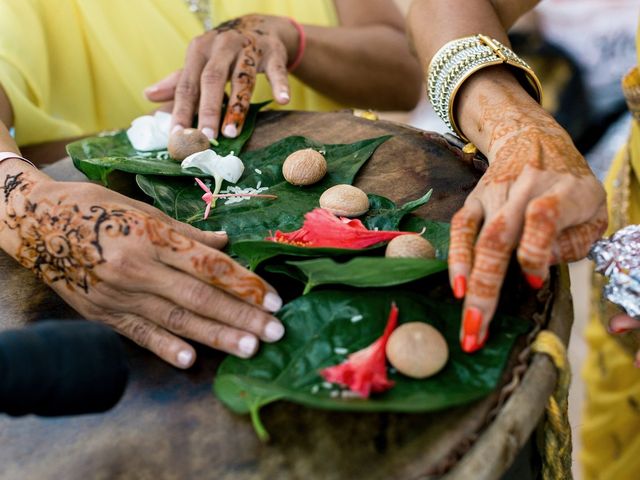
x: 315, y: 389
x: 335, y: 394
x: 341, y: 351
x: 356, y: 318
x: 258, y: 171
x: 327, y: 385
x: 349, y: 394
x: 239, y: 190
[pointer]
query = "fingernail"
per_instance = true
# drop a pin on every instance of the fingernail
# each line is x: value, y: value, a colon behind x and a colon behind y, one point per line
x: 471, y: 329
x: 534, y: 281
x: 185, y: 357
x: 274, y: 331
x: 176, y: 128
x: 284, y: 96
x: 220, y: 232
x: 208, y: 132
x: 459, y: 286
x: 151, y: 89
x: 248, y: 346
x: 230, y: 131
x: 272, y: 302
x: 618, y: 331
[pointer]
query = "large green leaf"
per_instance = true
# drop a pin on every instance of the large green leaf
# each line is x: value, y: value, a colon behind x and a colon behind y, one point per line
x: 97, y: 157
x: 324, y: 326
x: 384, y: 214
x: 362, y: 271
x: 256, y: 218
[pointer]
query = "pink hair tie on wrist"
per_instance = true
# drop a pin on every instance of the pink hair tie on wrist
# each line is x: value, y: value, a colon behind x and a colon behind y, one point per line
x: 9, y: 155
x: 302, y: 45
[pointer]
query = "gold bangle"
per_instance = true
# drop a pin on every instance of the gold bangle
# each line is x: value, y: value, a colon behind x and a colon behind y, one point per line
x: 458, y: 59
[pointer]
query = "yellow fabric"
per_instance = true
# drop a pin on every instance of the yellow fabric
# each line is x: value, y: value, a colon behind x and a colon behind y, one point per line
x: 72, y: 67
x: 611, y: 421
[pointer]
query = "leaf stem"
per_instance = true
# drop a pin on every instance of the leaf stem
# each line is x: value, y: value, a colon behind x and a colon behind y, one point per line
x: 258, y: 426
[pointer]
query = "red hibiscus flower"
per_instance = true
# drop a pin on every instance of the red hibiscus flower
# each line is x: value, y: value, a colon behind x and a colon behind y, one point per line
x: 322, y: 228
x: 365, y: 371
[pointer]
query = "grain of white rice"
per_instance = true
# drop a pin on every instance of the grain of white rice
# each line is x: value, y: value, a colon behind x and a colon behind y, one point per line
x: 340, y: 351
x: 335, y: 394
x: 349, y: 394
x: 315, y: 389
x: 327, y: 385
x: 258, y: 171
x: 356, y: 318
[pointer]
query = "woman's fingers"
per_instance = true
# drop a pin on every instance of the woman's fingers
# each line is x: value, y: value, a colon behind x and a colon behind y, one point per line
x: 165, y: 89
x: 152, y: 337
x: 464, y: 229
x: 212, y: 82
x: 207, y: 301
x: 187, y: 93
x: 217, y: 269
x: 276, y: 71
x: 243, y: 82
x: 187, y: 324
x: 540, y: 228
x: 623, y: 323
x: 492, y: 253
x: 575, y: 241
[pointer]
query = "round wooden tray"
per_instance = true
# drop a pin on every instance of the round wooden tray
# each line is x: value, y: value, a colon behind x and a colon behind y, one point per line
x: 169, y: 425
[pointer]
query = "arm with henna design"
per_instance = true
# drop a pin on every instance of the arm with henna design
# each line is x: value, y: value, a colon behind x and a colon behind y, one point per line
x: 526, y: 200
x: 124, y: 263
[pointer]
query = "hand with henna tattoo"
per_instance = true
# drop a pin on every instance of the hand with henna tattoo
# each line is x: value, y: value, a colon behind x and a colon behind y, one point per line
x: 236, y: 50
x: 537, y: 197
x: 127, y: 264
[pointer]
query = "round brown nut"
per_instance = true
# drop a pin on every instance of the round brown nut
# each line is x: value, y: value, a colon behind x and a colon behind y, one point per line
x: 345, y: 201
x: 304, y: 167
x: 185, y: 142
x: 417, y: 350
x: 410, y: 246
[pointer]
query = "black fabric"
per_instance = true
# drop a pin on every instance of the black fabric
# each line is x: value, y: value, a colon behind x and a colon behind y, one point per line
x: 61, y: 368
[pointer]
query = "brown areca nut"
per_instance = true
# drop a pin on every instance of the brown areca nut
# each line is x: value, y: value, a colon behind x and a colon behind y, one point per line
x: 417, y: 350
x: 345, y: 201
x: 410, y: 246
x: 188, y: 141
x: 304, y: 167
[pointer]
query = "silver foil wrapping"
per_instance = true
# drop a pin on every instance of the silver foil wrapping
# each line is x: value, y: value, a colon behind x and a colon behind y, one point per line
x: 618, y: 258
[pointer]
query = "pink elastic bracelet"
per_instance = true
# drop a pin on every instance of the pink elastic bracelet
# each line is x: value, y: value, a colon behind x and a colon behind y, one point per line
x: 302, y: 45
x: 9, y: 155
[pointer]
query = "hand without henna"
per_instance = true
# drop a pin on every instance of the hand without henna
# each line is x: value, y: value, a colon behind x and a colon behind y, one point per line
x: 125, y: 263
x: 234, y: 51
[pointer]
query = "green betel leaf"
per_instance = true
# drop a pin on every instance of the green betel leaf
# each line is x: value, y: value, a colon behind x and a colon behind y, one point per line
x: 324, y: 326
x: 384, y: 214
x: 364, y: 271
x: 97, y: 157
x: 254, y: 252
x: 256, y: 218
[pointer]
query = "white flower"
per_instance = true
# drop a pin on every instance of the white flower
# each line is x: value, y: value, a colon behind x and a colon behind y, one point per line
x: 150, y: 132
x: 227, y: 168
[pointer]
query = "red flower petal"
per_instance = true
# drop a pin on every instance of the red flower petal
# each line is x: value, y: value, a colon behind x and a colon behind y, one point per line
x: 365, y: 371
x: 322, y: 228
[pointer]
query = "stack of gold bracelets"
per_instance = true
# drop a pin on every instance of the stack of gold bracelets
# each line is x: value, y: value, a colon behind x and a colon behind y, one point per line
x: 457, y: 60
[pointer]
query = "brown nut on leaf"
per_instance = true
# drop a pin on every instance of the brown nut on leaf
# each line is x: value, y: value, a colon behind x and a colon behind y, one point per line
x: 304, y: 167
x: 417, y: 350
x: 410, y: 246
x: 183, y: 143
x: 345, y: 201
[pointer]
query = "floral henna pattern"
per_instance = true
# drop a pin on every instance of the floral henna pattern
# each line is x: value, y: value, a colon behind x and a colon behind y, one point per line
x: 245, y: 77
x: 221, y: 272
x: 544, y: 146
x: 492, y: 257
x: 574, y: 242
x: 13, y: 182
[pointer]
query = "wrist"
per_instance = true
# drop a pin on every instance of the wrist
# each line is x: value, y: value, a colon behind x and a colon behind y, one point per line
x: 289, y: 36
x: 493, y: 99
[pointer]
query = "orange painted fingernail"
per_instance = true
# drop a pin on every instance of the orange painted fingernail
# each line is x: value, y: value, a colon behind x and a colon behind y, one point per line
x: 535, y: 281
x: 471, y: 329
x: 618, y: 331
x: 459, y: 286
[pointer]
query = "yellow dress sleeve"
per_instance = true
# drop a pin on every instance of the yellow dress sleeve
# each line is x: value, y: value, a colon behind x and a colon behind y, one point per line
x: 311, y: 12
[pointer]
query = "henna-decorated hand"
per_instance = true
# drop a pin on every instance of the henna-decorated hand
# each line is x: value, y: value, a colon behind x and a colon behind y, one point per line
x: 538, y: 195
x: 127, y: 264
x: 236, y: 50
